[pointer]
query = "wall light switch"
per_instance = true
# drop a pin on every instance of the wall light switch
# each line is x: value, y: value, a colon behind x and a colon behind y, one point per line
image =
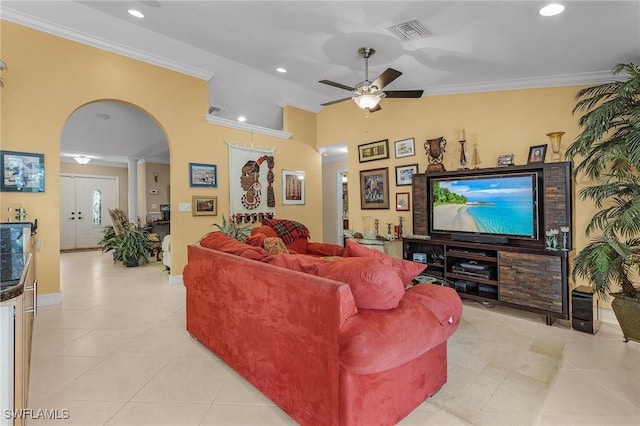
x: 184, y: 207
x: 154, y: 206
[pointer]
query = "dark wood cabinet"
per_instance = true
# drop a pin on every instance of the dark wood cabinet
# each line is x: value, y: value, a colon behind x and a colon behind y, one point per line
x: 530, y: 279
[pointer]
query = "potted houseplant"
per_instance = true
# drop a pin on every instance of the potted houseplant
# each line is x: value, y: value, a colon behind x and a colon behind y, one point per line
x: 240, y: 233
x: 131, y: 244
x: 609, y: 152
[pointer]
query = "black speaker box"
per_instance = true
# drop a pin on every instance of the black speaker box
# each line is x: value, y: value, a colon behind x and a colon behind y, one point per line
x: 480, y: 238
x: 582, y: 313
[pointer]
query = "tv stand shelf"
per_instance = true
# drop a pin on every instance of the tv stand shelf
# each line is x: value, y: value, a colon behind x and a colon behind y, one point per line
x: 527, y: 278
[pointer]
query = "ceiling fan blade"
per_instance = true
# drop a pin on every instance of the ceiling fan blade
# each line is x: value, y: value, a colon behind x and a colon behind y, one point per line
x: 337, y: 101
x: 386, y: 77
x: 375, y: 108
x: 403, y: 93
x: 338, y: 85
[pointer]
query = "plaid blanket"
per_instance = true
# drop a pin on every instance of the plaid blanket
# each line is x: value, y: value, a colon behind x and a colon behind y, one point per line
x: 288, y: 230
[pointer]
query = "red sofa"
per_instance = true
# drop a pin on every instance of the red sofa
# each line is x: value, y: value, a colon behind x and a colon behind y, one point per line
x: 302, y: 340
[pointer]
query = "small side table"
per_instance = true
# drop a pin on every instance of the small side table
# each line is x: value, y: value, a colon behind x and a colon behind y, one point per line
x: 391, y: 247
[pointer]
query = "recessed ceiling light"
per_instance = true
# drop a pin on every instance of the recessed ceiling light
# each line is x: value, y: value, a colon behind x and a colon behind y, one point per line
x: 136, y: 13
x: 282, y: 70
x: 552, y: 9
x: 242, y: 118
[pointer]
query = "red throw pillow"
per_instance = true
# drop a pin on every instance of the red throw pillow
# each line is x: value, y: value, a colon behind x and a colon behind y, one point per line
x: 373, y: 285
x: 405, y: 269
x: 267, y: 231
x: 222, y: 242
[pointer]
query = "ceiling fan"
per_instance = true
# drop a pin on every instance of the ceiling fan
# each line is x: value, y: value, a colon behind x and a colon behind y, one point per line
x: 367, y: 93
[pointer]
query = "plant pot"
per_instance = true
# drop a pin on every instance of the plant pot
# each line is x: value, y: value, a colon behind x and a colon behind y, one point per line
x: 129, y: 263
x: 627, y: 310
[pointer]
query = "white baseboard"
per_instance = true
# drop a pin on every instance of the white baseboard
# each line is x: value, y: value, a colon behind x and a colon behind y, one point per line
x: 175, y: 280
x: 49, y: 299
x: 606, y: 315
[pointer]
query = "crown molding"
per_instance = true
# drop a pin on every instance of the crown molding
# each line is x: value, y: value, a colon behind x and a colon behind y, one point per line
x: 211, y: 119
x: 100, y: 43
x: 523, y: 83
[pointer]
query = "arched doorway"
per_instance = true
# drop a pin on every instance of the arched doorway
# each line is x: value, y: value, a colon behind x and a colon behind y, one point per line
x: 128, y: 168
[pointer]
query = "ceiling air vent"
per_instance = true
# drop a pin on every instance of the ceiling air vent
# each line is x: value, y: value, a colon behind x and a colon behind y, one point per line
x: 410, y: 30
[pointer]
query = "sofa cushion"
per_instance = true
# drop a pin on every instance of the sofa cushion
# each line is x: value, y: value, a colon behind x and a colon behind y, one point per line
x: 274, y: 245
x: 405, y: 269
x: 222, y: 242
x: 372, y: 283
x: 375, y: 341
x: 324, y: 249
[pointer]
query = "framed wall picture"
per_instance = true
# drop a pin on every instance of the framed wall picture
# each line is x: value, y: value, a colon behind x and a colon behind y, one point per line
x: 404, y: 174
x: 22, y: 172
x: 204, y: 205
x: 371, y: 151
x: 405, y: 148
x: 374, y: 189
x: 402, y: 202
x: 505, y: 160
x: 203, y: 175
x: 536, y: 154
x: 292, y: 187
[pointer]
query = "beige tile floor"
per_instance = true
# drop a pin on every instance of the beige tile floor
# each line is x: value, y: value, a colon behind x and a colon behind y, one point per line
x: 116, y: 352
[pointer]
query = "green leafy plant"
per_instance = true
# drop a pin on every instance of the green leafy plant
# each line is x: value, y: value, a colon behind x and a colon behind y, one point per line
x: 609, y: 150
x: 3, y: 66
x: 240, y: 233
x: 131, y: 245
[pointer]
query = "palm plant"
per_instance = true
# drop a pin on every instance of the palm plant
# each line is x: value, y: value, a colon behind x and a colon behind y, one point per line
x: 3, y: 66
x: 609, y: 150
x: 240, y: 233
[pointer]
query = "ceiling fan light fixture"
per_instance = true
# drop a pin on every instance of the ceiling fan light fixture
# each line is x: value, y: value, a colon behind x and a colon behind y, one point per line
x: 82, y: 160
x: 367, y: 101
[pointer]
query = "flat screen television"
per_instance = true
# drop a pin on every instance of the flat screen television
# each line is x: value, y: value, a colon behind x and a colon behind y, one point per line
x: 498, y: 204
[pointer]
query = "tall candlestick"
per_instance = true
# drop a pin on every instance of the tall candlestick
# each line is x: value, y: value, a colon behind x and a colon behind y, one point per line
x: 461, y: 136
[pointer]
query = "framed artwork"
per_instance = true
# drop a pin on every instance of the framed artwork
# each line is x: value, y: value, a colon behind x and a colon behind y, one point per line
x: 536, y: 154
x: 204, y: 205
x: 292, y: 187
x: 371, y: 151
x: 505, y: 160
x: 404, y: 174
x: 374, y: 189
x: 405, y: 148
x: 22, y: 172
x: 203, y: 175
x: 402, y: 202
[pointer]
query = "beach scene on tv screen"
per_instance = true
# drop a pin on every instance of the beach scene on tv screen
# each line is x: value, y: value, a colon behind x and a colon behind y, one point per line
x: 496, y: 205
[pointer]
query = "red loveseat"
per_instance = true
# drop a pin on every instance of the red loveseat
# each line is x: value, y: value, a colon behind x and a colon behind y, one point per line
x: 305, y: 340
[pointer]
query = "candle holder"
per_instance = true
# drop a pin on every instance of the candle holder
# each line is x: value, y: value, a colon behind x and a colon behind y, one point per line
x: 475, y: 157
x: 389, y: 234
x: 463, y: 156
x: 556, y: 141
x: 565, y: 238
x: 552, y: 239
x: 400, y: 224
x: 376, y: 222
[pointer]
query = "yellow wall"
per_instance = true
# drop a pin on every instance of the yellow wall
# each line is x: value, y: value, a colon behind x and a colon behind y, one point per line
x: 51, y: 74
x: 506, y: 122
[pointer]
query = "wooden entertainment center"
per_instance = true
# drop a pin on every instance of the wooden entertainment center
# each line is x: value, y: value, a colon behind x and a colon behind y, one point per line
x: 515, y: 272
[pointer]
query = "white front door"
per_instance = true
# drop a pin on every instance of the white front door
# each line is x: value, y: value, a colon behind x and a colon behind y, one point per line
x: 84, y: 209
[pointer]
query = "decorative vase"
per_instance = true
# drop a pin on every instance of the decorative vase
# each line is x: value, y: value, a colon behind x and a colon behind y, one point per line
x: 556, y: 140
x: 627, y: 311
x: 435, y: 152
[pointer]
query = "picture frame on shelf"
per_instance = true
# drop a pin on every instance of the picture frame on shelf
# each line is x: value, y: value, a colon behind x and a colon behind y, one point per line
x: 505, y: 160
x: 292, y: 187
x: 203, y: 175
x: 378, y: 150
x: 22, y: 172
x: 403, y: 202
x: 537, y: 154
x: 374, y: 188
x: 405, y: 148
x: 404, y: 174
x: 204, y: 205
